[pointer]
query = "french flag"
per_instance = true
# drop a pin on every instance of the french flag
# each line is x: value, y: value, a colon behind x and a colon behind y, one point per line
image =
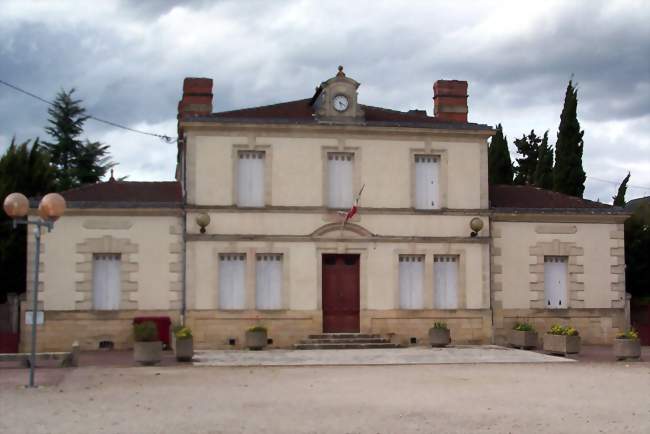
x: 355, y: 206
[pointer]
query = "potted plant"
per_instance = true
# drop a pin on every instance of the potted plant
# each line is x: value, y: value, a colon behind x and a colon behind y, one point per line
x: 627, y: 345
x: 183, y: 344
x: 256, y: 337
x: 562, y: 340
x: 439, y: 335
x: 523, y: 335
x: 147, y: 348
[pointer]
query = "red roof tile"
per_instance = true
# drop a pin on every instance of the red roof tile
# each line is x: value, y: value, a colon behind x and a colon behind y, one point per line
x: 166, y: 192
x: 529, y: 197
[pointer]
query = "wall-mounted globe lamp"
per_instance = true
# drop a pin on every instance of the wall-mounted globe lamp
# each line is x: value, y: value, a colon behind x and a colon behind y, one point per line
x: 51, y: 207
x: 203, y: 220
x: 475, y: 224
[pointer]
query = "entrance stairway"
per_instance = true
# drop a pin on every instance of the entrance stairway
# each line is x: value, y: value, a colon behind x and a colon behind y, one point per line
x: 342, y: 341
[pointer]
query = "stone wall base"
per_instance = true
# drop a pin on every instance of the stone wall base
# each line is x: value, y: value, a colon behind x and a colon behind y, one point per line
x: 596, y: 326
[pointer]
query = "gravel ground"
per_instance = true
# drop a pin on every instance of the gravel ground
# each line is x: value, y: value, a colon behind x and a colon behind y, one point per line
x: 494, y: 398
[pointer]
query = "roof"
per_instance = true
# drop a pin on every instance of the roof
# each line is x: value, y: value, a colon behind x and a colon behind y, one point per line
x: 528, y: 197
x: 302, y: 112
x: 635, y: 203
x: 125, y: 194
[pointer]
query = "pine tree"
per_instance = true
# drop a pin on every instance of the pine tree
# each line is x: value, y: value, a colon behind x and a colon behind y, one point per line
x: 499, y: 163
x: 26, y: 170
x: 619, y: 199
x: 543, y: 176
x: 568, y: 174
x: 75, y: 162
x: 528, y: 148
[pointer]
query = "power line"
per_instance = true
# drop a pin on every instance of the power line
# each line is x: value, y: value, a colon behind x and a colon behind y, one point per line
x: 163, y: 137
x: 617, y: 183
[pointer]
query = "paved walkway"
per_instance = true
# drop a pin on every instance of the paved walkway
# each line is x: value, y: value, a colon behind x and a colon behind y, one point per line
x: 399, y: 356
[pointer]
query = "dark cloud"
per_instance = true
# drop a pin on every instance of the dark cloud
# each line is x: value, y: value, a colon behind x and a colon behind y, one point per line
x: 127, y: 60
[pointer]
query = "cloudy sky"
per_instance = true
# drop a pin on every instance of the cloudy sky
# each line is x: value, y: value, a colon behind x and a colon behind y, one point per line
x: 127, y: 60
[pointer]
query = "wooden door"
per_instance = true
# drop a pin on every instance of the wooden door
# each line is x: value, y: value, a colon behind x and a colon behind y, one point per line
x: 341, y: 293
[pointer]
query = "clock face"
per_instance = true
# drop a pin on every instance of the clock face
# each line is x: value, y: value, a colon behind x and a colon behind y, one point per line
x: 340, y: 103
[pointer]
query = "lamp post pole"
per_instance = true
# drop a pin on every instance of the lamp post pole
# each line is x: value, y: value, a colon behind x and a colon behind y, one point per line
x: 37, y: 260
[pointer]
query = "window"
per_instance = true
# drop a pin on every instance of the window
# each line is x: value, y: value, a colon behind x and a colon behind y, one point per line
x: 411, y: 278
x: 231, y: 281
x: 555, y: 273
x: 106, y: 281
x: 340, y: 181
x: 250, y: 178
x: 268, y: 287
x: 427, y: 186
x: 445, y: 272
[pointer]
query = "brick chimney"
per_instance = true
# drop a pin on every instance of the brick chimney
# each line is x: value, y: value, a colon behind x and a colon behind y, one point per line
x: 450, y: 100
x: 197, y: 97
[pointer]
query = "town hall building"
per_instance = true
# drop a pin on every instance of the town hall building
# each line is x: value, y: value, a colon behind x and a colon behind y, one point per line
x: 256, y: 229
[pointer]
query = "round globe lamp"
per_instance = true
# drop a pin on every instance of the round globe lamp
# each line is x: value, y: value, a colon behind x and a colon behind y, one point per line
x: 476, y: 224
x: 203, y: 220
x: 52, y: 207
x: 16, y: 205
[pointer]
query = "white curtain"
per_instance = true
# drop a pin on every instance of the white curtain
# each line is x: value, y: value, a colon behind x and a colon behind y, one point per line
x: 106, y: 281
x: 555, y: 276
x: 250, y: 178
x: 268, y: 291
x: 411, y: 278
x: 445, y: 271
x: 427, y: 169
x: 340, y: 179
x: 231, y: 281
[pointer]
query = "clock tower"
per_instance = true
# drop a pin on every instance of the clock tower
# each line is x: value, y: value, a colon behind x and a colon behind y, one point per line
x: 335, y: 100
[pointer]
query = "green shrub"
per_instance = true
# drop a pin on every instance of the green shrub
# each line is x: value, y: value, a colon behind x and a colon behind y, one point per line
x: 183, y: 333
x: 257, y: 328
x: 145, y: 331
x: 524, y: 327
x: 557, y: 329
x: 440, y: 325
x: 630, y: 334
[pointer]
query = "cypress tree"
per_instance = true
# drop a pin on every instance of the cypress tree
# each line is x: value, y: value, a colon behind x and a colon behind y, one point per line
x: 568, y: 174
x: 619, y: 199
x: 499, y: 163
x: 543, y: 176
x: 528, y: 148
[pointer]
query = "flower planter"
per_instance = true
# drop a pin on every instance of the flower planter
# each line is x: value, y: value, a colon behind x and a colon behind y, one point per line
x: 627, y: 349
x: 523, y: 339
x: 561, y: 344
x: 147, y: 353
x: 439, y: 337
x: 256, y: 340
x: 184, y: 349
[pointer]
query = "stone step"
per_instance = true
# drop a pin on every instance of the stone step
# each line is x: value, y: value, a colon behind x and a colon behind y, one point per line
x: 344, y: 336
x: 344, y: 346
x: 345, y: 340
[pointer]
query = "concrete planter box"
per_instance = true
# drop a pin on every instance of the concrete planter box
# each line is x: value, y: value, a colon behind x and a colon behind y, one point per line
x: 627, y: 349
x: 256, y: 340
x: 523, y: 339
x: 147, y: 353
x: 184, y: 349
x: 561, y: 344
x: 439, y: 337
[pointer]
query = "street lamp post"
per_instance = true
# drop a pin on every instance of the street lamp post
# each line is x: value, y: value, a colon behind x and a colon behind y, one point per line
x: 52, y: 206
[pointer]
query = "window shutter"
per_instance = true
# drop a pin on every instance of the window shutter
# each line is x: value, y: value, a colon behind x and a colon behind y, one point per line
x: 106, y: 281
x: 340, y: 179
x: 555, y: 276
x: 268, y: 291
x: 250, y: 178
x: 231, y: 281
x: 427, y: 169
x: 445, y: 271
x: 411, y: 278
